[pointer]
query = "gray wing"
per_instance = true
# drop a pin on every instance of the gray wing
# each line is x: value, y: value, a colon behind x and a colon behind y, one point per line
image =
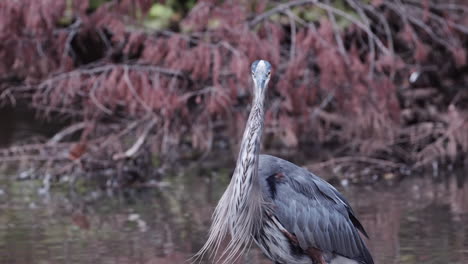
x: 312, y: 210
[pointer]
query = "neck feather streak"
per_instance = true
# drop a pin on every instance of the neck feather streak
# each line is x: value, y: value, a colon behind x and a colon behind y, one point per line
x: 239, y: 210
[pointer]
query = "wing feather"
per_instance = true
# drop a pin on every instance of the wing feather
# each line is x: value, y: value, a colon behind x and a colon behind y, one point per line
x: 315, y: 212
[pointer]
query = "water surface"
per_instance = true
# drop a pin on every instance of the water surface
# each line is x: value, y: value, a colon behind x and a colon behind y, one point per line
x: 419, y: 220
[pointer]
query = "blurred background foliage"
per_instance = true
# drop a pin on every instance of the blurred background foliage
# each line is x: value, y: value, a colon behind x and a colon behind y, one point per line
x: 359, y: 88
x: 152, y: 97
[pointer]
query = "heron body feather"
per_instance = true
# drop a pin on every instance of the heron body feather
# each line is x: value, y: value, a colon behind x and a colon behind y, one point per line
x: 313, y: 211
x: 294, y: 216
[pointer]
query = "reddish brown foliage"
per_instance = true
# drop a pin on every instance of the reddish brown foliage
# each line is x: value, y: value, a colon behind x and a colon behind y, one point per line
x: 334, y: 87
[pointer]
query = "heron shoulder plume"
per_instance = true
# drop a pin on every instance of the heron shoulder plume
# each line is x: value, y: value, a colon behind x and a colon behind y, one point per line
x: 237, y: 213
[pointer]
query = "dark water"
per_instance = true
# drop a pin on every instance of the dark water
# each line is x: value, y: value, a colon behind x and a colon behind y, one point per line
x: 416, y: 221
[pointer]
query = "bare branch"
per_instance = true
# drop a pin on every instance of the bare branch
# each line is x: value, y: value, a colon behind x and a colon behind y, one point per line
x: 134, y: 92
x: 65, y: 132
x: 138, y: 143
x: 92, y: 95
x: 337, y: 34
x: 277, y: 9
x: 354, y: 159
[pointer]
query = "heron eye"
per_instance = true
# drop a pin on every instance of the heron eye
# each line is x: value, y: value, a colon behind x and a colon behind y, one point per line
x: 269, y: 73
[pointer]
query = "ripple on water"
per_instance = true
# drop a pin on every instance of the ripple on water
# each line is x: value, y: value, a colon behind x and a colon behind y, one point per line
x: 417, y: 221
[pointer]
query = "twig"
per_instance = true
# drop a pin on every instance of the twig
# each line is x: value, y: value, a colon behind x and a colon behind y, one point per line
x: 65, y: 132
x: 447, y: 133
x: 442, y: 6
x: 357, y: 23
x: 66, y: 111
x: 337, y: 34
x: 370, y: 41
x: 107, y: 140
x: 93, y: 97
x: 327, y: 7
x: 73, y: 30
x: 388, y: 33
x: 99, y: 69
x: 33, y: 158
x: 189, y: 95
x: 441, y: 20
x: 362, y: 159
x: 323, y: 104
x: 312, y: 27
x: 133, y: 91
x: 402, y: 12
x: 7, y: 93
x: 229, y: 47
x: 138, y: 143
x: 278, y: 9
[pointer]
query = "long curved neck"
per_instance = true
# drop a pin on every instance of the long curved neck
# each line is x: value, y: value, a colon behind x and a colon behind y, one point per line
x: 239, y: 210
x: 246, y: 171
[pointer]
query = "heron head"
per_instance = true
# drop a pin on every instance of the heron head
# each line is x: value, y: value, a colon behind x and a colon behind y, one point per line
x: 261, y: 71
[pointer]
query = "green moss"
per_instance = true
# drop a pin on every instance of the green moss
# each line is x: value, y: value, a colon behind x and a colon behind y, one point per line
x: 159, y: 16
x: 67, y: 17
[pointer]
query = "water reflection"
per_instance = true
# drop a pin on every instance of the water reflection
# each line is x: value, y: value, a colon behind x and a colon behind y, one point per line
x: 417, y: 221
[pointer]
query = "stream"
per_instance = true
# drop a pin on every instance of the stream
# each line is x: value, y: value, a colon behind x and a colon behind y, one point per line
x: 418, y: 220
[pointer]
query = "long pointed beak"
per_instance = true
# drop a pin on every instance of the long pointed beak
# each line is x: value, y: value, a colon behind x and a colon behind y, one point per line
x: 260, y: 82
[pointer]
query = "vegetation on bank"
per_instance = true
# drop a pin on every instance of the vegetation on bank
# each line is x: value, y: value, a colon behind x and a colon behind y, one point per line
x: 381, y: 85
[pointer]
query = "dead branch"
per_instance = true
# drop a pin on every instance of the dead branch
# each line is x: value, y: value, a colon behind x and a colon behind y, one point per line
x: 138, y: 143
x: 194, y: 82
x: 357, y: 159
x: 132, y: 89
x: 96, y: 101
x: 279, y: 8
x: 65, y: 132
x: 337, y: 34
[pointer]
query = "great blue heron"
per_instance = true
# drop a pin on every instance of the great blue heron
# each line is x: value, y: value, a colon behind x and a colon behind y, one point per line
x: 294, y: 216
